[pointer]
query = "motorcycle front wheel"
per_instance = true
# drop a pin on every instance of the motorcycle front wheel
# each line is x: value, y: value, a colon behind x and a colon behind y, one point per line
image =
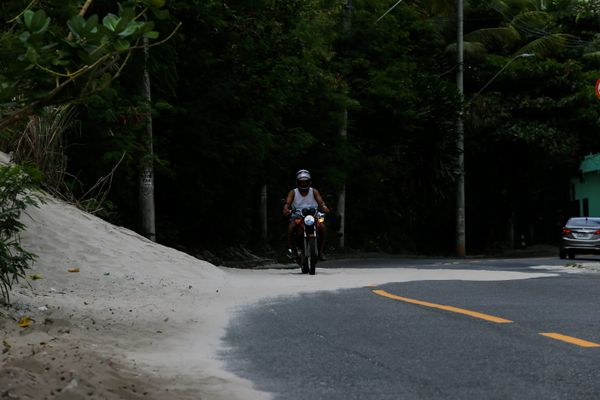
x: 303, y: 258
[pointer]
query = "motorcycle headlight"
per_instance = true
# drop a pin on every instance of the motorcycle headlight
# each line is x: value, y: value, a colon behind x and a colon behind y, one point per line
x: 309, y: 220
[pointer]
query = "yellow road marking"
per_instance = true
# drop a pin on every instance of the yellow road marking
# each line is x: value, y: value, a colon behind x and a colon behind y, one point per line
x: 443, y: 307
x: 570, y: 339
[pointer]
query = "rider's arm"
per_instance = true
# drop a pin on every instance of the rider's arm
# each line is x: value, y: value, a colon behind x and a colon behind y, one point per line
x: 320, y: 201
x: 288, y: 203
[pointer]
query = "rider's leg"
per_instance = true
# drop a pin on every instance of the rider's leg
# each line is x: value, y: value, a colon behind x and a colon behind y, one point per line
x: 290, y: 236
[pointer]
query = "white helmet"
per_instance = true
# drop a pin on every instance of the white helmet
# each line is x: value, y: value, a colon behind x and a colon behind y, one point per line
x: 303, y: 179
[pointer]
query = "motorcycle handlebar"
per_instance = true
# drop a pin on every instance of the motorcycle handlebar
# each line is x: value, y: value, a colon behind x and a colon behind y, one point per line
x: 317, y: 209
x: 306, y: 211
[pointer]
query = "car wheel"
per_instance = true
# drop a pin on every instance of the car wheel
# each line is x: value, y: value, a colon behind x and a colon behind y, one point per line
x: 562, y: 255
x: 571, y: 255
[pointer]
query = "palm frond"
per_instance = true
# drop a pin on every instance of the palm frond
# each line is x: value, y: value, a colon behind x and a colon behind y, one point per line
x: 595, y: 55
x: 509, y: 8
x: 442, y: 7
x: 592, y: 58
x: 500, y: 6
x: 524, y: 4
x: 432, y: 8
x: 503, y: 36
x: 547, y: 46
x: 472, y: 50
x: 532, y: 19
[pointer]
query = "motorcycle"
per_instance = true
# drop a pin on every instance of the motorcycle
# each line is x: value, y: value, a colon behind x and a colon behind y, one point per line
x: 307, y: 238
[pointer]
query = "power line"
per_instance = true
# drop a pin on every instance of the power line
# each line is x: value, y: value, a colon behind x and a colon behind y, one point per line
x: 536, y: 31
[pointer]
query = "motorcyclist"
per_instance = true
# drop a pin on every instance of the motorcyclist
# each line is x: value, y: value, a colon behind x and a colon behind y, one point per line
x: 304, y: 196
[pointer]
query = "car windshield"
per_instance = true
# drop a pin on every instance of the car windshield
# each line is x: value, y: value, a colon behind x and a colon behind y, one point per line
x: 591, y: 222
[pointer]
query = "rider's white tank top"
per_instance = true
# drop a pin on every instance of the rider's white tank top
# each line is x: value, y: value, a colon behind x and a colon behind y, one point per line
x: 301, y: 202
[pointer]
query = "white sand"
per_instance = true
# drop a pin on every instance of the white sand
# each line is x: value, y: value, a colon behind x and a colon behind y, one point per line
x: 139, y: 317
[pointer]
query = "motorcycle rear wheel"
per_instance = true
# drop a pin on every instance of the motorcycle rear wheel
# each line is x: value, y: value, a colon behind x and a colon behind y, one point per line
x: 312, y: 255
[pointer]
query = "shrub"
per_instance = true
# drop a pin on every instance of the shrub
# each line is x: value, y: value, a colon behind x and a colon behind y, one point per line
x: 15, y: 196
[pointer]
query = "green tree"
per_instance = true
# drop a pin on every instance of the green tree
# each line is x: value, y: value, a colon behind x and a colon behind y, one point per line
x: 255, y: 100
x: 53, y: 56
x: 541, y: 111
x: 401, y: 129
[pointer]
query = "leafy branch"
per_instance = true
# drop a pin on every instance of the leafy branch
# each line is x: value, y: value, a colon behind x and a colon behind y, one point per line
x: 49, y: 66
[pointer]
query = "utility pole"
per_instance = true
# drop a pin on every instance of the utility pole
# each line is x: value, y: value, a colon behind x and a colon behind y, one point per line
x: 146, y: 182
x: 460, y: 136
x: 341, y: 205
x: 347, y: 16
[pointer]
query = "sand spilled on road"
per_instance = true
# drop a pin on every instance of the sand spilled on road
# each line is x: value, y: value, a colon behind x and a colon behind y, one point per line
x: 140, y: 320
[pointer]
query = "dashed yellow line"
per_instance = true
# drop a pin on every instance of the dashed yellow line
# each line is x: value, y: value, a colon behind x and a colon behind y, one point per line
x: 570, y: 339
x: 470, y: 313
x: 487, y: 317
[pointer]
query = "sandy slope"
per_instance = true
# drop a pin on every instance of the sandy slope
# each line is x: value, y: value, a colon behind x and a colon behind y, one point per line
x: 140, y: 320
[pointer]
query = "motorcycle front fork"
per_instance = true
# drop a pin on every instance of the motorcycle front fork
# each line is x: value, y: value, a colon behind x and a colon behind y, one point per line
x: 306, y: 246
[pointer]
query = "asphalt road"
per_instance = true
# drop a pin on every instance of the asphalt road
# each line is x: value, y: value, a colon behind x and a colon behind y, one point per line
x: 522, y: 339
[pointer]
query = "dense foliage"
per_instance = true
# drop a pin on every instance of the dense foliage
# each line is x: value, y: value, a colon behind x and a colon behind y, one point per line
x: 247, y: 92
x: 58, y: 55
x: 529, y: 130
x: 15, y: 196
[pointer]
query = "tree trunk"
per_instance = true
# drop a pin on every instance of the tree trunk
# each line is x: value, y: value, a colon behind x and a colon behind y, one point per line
x: 146, y: 195
x: 263, y: 214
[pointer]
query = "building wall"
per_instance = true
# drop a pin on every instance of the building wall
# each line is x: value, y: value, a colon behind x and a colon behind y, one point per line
x: 588, y: 188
